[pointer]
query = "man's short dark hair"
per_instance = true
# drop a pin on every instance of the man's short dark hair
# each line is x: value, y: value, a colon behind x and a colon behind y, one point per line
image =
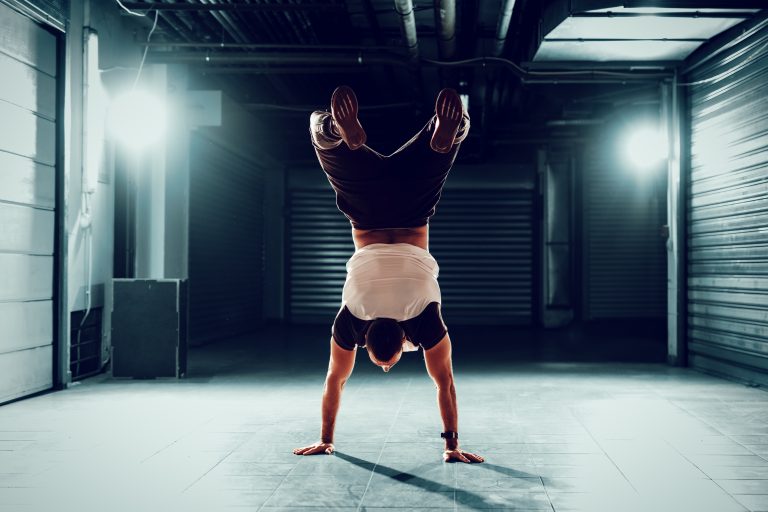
x: 384, y: 338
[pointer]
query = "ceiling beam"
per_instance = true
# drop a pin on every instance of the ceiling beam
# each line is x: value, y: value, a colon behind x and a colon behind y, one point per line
x: 302, y: 70
x: 270, y: 46
x: 591, y: 5
x: 158, y: 6
x: 682, y: 14
x: 617, y: 39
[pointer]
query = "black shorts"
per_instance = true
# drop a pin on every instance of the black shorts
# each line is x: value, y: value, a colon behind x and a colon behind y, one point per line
x: 400, y: 190
x: 426, y: 329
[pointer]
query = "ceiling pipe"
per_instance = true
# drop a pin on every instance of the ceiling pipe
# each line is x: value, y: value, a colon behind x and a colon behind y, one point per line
x: 359, y: 59
x: 404, y: 9
x: 445, y: 19
x: 505, y: 16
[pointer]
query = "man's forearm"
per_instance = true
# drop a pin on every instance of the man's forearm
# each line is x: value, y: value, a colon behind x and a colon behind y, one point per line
x: 446, y: 401
x: 331, y: 400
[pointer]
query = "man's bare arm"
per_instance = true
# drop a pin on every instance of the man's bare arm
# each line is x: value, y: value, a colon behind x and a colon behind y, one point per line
x: 440, y: 368
x: 339, y: 369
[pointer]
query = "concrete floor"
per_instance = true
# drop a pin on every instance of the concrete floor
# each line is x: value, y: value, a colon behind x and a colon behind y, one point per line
x: 587, y: 436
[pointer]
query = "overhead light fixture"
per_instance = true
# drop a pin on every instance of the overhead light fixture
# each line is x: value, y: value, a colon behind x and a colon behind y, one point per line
x: 646, y: 147
x: 137, y: 119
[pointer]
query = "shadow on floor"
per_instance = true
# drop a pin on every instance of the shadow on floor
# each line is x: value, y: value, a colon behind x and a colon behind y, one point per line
x: 465, y: 498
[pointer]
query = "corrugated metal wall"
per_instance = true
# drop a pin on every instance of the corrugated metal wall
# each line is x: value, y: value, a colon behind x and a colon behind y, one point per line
x: 226, y: 224
x: 319, y: 245
x: 483, y: 241
x: 728, y: 214
x: 481, y: 238
x: 624, y: 252
x: 27, y: 204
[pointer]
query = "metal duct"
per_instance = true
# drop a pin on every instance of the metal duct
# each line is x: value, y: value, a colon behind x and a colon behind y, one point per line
x: 408, y: 23
x: 445, y: 19
x: 505, y: 16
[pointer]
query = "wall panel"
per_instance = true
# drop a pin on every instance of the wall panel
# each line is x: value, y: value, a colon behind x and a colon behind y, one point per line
x: 481, y: 238
x: 226, y: 227
x: 27, y: 200
x: 728, y: 213
x: 624, y: 252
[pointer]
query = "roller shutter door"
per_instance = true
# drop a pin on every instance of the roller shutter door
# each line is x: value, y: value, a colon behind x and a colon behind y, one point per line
x: 624, y: 252
x: 226, y: 256
x: 27, y: 204
x: 728, y: 214
x: 481, y: 238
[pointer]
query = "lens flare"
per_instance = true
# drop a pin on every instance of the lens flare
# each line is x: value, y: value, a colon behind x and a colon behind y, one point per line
x: 646, y: 147
x: 137, y: 119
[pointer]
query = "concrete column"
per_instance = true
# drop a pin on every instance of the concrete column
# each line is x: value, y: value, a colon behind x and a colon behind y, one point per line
x: 676, y: 285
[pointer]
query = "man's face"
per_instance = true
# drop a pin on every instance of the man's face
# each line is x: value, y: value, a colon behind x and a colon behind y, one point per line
x: 386, y: 365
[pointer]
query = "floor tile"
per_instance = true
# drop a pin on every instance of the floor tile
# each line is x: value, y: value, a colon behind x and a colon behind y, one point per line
x: 332, y: 498
x: 560, y: 436
x: 406, y: 499
x: 744, y: 486
x: 753, y: 502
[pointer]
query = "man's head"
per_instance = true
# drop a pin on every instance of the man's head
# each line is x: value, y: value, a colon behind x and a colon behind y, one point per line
x: 384, y: 341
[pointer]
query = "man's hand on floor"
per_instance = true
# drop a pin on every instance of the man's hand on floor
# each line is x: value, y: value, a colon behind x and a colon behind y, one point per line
x: 314, y: 449
x: 459, y: 455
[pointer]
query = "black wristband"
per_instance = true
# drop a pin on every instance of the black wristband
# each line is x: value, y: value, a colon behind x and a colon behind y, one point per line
x: 449, y: 435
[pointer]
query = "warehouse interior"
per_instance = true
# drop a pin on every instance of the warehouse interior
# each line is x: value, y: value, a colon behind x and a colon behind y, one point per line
x: 172, y: 256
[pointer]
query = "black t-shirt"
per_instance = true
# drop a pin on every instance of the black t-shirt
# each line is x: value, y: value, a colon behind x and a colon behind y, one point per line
x: 426, y: 329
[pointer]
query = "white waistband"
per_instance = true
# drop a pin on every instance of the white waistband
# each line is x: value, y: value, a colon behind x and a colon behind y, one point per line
x: 390, y: 281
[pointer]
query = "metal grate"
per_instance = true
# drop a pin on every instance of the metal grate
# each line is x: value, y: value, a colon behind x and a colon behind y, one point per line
x: 728, y: 215
x: 85, y: 344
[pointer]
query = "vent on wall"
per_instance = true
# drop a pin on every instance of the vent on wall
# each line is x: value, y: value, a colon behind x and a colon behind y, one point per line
x: 85, y: 344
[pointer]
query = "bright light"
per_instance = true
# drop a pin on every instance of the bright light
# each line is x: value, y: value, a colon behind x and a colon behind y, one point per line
x: 646, y: 147
x: 137, y: 119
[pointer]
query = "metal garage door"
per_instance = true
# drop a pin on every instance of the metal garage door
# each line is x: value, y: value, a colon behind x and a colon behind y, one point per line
x: 481, y: 238
x: 226, y: 222
x: 728, y: 214
x: 27, y: 201
x: 624, y: 252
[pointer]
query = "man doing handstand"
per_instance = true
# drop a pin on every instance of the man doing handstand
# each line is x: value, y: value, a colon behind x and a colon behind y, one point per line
x: 391, y: 299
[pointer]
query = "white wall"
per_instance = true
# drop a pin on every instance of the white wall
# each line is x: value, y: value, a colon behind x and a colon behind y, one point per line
x: 116, y: 52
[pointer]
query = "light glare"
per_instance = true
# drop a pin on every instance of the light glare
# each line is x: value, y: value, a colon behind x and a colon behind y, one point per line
x: 646, y: 147
x: 137, y: 119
